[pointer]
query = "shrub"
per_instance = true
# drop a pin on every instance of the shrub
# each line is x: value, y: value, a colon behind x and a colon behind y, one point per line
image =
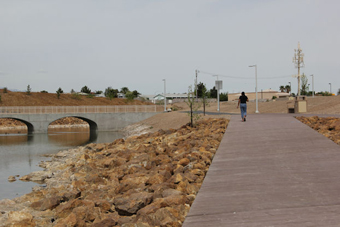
x: 43, y: 91
x: 5, y: 90
x: 90, y: 96
x: 76, y: 96
x: 274, y: 97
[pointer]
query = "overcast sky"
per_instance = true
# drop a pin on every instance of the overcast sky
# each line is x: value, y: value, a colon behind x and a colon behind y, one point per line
x: 136, y: 43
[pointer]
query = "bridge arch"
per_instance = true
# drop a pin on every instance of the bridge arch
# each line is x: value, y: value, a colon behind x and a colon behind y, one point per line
x: 30, y: 127
x: 93, y: 125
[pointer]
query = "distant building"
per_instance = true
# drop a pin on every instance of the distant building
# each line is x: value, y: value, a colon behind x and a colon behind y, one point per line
x: 170, y: 97
x: 121, y: 95
x: 262, y: 95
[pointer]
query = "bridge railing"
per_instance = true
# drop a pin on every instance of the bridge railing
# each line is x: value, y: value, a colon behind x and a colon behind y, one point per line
x: 79, y: 109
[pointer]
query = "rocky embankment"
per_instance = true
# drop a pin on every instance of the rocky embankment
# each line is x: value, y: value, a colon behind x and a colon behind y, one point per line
x: 327, y: 126
x: 146, y: 180
x: 69, y: 122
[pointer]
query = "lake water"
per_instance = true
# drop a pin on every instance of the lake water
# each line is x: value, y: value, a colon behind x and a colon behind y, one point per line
x: 20, y: 154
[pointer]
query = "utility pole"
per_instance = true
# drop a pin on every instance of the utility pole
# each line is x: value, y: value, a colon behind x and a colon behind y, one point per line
x: 298, y: 61
x: 196, y: 71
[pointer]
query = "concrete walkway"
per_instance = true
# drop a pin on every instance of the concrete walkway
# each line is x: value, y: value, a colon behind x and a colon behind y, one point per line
x: 270, y: 171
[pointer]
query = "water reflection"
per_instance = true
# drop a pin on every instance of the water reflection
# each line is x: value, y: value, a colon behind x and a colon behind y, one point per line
x: 20, y: 154
x: 69, y: 136
x: 13, y: 139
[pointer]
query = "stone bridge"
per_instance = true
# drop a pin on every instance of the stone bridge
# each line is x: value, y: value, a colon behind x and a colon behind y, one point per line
x: 101, y: 118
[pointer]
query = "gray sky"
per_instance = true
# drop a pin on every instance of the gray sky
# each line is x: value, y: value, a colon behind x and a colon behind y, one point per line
x: 137, y: 43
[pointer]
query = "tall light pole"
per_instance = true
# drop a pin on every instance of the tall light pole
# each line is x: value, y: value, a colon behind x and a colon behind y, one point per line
x: 330, y: 88
x: 290, y: 88
x: 257, y: 100
x: 312, y: 84
x: 164, y: 95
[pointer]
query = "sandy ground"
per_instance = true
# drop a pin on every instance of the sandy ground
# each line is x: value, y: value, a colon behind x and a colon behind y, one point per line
x: 175, y: 119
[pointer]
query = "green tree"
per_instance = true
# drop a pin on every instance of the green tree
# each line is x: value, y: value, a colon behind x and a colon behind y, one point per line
x: 135, y: 94
x: 59, y: 91
x: 72, y: 91
x: 304, y: 85
x: 110, y: 93
x: 98, y: 92
x: 194, y: 106
x: 213, y: 93
x: 5, y: 90
x: 28, y: 91
x: 224, y: 96
x: 287, y: 88
x: 282, y: 88
x: 129, y: 95
x: 124, y: 90
x: 200, y: 90
x: 204, y: 96
x: 86, y: 90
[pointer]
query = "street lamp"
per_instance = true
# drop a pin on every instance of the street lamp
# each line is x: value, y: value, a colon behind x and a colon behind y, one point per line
x: 257, y: 109
x: 164, y: 95
x: 290, y: 88
x: 312, y: 84
x: 330, y: 88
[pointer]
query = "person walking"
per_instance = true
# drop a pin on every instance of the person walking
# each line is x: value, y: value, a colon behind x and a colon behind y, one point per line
x: 242, y: 103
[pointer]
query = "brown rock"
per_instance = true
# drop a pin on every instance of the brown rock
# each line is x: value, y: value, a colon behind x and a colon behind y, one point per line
x: 137, y: 224
x: 20, y: 218
x: 107, y: 222
x: 47, y: 203
x: 184, y: 161
x: 11, y: 178
x: 129, y: 205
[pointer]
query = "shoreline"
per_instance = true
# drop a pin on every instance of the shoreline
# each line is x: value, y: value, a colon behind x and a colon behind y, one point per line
x: 142, y: 179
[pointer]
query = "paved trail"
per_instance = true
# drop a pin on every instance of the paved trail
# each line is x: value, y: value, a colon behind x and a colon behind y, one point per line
x: 270, y: 171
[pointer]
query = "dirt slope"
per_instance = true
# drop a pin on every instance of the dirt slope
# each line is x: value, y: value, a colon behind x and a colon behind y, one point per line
x: 49, y: 99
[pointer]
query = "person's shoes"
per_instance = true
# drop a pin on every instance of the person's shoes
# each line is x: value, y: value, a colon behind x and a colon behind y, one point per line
x: 245, y: 119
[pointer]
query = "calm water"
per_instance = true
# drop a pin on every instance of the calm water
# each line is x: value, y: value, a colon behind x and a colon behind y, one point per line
x: 20, y: 154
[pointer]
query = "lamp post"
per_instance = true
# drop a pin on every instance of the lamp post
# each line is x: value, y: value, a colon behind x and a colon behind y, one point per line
x: 164, y: 95
x: 330, y: 88
x: 290, y: 88
x: 257, y: 101
x: 312, y: 84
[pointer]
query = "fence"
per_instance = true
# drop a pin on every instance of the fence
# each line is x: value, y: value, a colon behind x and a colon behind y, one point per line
x: 79, y: 109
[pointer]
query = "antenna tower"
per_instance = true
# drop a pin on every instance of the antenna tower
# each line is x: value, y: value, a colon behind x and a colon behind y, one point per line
x: 298, y: 61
